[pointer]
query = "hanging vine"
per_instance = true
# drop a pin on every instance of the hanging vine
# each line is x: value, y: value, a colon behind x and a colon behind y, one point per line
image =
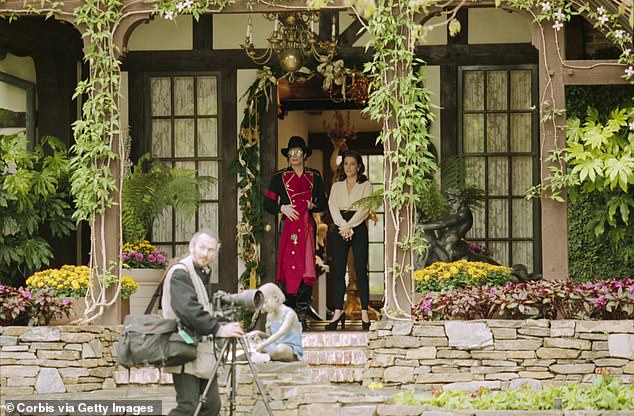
x: 398, y: 101
x: 247, y: 166
x: 401, y: 102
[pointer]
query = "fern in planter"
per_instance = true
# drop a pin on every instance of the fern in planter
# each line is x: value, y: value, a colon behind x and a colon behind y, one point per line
x: 148, y: 192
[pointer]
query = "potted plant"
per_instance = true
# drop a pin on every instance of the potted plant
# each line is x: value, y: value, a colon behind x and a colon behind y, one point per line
x: 149, y: 188
x: 70, y: 283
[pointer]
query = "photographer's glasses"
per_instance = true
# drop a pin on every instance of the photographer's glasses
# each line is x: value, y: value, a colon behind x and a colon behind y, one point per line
x: 296, y: 153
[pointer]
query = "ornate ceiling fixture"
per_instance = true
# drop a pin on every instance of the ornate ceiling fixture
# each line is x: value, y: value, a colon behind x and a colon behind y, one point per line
x: 294, y: 41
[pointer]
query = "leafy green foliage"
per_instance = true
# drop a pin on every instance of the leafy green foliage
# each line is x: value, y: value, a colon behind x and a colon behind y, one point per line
x: 605, y: 393
x: 31, y: 307
x: 599, y: 161
x: 592, y: 256
x: 33, y: 197
x: 247, y: 165
x: 146, y: 194
x: 556, y: 299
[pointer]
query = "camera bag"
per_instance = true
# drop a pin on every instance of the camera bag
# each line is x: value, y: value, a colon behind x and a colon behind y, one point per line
x: 149, y: 340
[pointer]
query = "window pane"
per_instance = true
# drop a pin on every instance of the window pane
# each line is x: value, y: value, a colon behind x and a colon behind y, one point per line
x: 184, y: 138
x: 375, y: 232
x: 521, y: 89
x: 500, y: 251
x: 473, y: 133
x: 183, y: 250
x: 498, y: 218
x: 376, y: 284
x: 208, y: 216
x: 521, y: 131
x: 209, y: 169
x: 162, y: 138
x: 473, y: 90
x: 376, y: 169
x: 522, y: 174
x: 478, y: 230
x: 498, y: 176
x: 207, y: 137
x: 185, y: 226
x: 522, y: 218
x: 376, y: 257
x: 189, y: 165
x: 184, y: 96
x: 474, y: 171
x: 162, y: 227
x: 207, y: 96
x: 160, y: 96
x: 523, y: 254
x: 496, y: 133
x: 496, y: 90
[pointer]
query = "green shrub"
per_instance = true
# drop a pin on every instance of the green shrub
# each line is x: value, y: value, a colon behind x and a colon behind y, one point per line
x: 592, y: 256
x: 33, y: 200
x: 605, y: 393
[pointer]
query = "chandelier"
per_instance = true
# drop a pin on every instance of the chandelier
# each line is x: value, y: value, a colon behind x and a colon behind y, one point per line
x: 293, y: 41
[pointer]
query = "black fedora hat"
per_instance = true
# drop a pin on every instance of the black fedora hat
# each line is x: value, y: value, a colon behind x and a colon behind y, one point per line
x: 296, y: 141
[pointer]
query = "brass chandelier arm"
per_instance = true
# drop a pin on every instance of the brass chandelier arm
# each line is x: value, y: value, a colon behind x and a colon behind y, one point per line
x: 292, y: 40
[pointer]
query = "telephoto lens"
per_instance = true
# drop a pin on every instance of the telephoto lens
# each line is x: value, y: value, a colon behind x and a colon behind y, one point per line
x: 251, y: 299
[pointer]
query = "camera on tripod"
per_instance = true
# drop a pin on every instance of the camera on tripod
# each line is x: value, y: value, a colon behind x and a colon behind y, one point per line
x: 227, y: 306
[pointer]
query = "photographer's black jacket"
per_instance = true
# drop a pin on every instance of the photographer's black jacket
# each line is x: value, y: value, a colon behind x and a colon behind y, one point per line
x: 185, y: 303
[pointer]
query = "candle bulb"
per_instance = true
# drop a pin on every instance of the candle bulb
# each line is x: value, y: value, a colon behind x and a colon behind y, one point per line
x: 249, y: 29
x: 312, y: 25
x: 334, y: 28
x: 276, y: 24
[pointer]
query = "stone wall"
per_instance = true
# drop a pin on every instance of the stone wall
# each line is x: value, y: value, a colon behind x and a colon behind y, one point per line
x: 497, y: 354
x: 56, y: 359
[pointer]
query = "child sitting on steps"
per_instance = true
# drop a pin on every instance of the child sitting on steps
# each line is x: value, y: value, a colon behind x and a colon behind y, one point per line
x: 283, y: 337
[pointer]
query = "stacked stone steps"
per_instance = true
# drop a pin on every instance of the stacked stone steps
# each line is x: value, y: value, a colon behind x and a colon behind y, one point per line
x: 336, y: 357
x: 292, y: 391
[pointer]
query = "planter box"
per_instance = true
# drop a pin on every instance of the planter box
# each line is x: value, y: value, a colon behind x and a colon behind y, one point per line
x: 148, y: 280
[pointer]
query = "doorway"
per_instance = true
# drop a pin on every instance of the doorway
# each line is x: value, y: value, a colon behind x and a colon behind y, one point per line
x: 317, y: 126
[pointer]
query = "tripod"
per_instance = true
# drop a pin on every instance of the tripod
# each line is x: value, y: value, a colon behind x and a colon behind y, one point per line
x: 229, y: 347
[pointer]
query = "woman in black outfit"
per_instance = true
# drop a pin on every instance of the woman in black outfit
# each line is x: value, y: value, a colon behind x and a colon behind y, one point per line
x: 350, y: 220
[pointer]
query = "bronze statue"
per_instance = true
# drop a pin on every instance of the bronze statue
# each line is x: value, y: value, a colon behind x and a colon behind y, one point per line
x: 446, y: 236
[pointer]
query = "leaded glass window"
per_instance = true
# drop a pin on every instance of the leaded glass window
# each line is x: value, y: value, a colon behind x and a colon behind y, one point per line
x: 184, y: 132
x: 498, y: 140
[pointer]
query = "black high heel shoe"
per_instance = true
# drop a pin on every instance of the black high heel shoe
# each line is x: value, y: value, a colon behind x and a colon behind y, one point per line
x: 333, y: 325
x: 365, y: 325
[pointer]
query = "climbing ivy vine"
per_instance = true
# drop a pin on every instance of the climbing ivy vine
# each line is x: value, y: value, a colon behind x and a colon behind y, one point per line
x: 398, y: 101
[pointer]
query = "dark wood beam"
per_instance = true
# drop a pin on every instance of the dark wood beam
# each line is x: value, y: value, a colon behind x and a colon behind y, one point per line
x: 462, y: 38
x: 351, y: 34
x: 204, y: 60
x: 29, y: 34
x: 593, y: 72
x: 448, y: 112
x: 574, y: 38
x: 325, y: 24
x: 203, y: 33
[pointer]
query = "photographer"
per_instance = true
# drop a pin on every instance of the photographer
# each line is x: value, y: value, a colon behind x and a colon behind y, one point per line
x: 185, y: 298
